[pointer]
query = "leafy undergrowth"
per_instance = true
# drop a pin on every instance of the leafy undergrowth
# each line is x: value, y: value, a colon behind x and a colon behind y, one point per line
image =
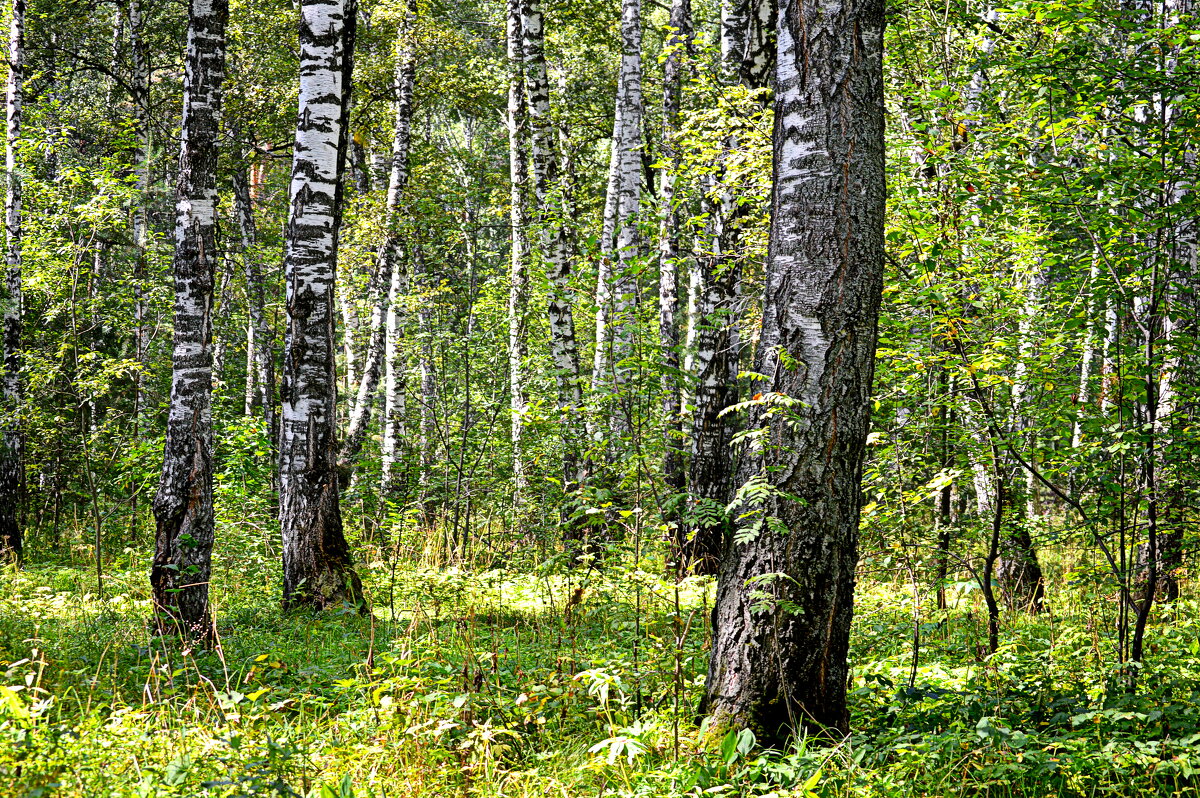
x: 538, y: 683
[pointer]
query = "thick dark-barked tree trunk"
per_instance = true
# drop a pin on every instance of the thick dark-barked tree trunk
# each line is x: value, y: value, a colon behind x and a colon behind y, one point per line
x: 785, y: 597
x: 317, y: 568
x: 12, y: 540
x: 183, y: 505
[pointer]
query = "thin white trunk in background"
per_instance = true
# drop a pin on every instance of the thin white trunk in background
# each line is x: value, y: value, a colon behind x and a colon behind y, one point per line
x: 317, y: 567
x: 11, y: 305
x: 550, y: 191
x: 220, y: 321
x: 427, y: 438
x: 670, y: 253
x: 349, y: 334
x: 251, y: 380
x: 262, y: 339
x: 1026, y: 346
x: 1083, y: 394
x: 393, y: 392
x: 385, y: 260
x: 518, y: 276
x: 140, y: 85
x: 619, y: 248
x: 394, y: 371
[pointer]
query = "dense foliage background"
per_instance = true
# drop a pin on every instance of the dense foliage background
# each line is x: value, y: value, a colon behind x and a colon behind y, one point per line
x: 1035, y: 423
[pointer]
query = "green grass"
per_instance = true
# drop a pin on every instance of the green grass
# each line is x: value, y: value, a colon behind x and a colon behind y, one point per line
x: 537, y: 683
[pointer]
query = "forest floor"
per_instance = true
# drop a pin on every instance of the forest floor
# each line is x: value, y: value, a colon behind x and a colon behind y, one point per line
x: 539, y: 683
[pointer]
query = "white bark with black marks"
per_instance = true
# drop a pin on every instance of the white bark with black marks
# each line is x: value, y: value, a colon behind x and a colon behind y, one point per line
x: 183, y: 504
x: 317, y: 567
x: 551, y: 220
x: 381, y: 289
x: 12, y: 541
x: 518, y: 274
x: 670, y: 250
x: 619, y: 242
x: 261, y: 343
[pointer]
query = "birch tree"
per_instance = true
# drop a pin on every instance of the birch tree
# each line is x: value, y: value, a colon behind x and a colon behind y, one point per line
x: 140, y: 91
x: 183, y: 504
x: 382, y: 288
x: 550, y: 195
x: 518, y: 274
x: 393, y: 388
x: 261, y: 342
x: 317, y: 568
x: 785, y: 597
x: 615, y: 285
x: 670, y: 251
x: 11, y: 535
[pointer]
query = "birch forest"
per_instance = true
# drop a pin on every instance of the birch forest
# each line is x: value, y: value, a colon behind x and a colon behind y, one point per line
x: 631, y: 398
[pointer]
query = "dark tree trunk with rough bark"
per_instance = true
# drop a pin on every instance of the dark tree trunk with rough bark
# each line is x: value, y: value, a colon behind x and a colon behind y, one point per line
x: 12, y: 540
x: 317, y: 567
x: 183, y: 505
x: 785, y: 597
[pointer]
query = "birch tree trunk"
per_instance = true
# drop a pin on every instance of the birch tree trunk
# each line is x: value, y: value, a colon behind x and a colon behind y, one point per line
x: 615, y: 287
x: 629, y: 197
x: 221, y: 311
x: 140, y: 82
x: 12, y: 540
x: 183, y: 507
x: 1018, y: 570
x: 385, y: 260
x: 670, y: 252
x: 518, y: 274
x: 716, y: 277
x: 317, y: 568
x: 428, y: 392
x: 552, y: 212
x: 394, y: 371
x: 785, y: 597
x: 263, y: 343
x: 1084, y: 393
x: 393, y: 394
x: 1176, y: 380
